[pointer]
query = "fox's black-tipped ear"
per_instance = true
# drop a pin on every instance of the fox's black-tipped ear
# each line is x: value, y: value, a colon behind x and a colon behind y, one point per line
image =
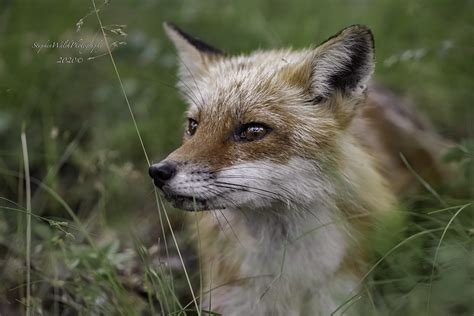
x: 344, y: 62
x: 195, y: 55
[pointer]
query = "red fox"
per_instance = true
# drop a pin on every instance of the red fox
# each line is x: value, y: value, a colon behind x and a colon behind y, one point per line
x: 294, y: 156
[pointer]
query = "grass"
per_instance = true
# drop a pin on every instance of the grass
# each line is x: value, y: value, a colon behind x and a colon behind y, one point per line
x: 437, y: 252
x: 100, y: 241
x: 28, y: 222
x: 158, y: 198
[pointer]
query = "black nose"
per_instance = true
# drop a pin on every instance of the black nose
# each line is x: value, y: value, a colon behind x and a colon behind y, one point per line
x: 162, y: 172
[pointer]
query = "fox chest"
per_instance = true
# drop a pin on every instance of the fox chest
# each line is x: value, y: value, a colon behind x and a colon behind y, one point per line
x: 285, y: 259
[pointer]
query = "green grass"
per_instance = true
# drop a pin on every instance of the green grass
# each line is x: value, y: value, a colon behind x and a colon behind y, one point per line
x: 101, y: 242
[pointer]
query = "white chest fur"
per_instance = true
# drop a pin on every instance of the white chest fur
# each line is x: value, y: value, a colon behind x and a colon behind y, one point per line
x: 289, y: 269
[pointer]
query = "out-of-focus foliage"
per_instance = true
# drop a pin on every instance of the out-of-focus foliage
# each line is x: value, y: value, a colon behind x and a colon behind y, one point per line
x: 83, y: 146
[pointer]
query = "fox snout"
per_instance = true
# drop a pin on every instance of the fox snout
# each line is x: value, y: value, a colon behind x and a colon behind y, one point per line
x: 184, y: 184
x: 162, y: 172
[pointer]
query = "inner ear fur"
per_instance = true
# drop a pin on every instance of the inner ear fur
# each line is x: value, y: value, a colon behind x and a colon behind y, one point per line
x: 344, y: 63
x: 178, y: 36
x: 195, y: 55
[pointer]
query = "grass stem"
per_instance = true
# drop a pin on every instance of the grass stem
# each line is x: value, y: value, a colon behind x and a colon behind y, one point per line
x: 28, y: 221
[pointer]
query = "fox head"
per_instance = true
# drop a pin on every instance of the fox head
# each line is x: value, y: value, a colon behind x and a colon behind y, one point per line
x: 263, y: 129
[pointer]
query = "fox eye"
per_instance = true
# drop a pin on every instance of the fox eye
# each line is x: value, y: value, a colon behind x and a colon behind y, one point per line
x: 252, y: 131
x: 192, y: 126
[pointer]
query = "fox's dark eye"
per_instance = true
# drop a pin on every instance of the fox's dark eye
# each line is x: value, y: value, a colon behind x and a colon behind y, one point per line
x: 192, y: 126
x: 252, y: 131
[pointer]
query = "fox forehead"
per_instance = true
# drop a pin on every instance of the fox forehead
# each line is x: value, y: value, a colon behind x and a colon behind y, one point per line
x: 245, y: 87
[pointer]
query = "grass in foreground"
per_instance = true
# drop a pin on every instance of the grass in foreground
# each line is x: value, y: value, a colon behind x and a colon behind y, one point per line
x: 94, y: 251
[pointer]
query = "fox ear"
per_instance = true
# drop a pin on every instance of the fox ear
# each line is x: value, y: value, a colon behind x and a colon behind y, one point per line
x: 195, y: 55
x: 345, y: 62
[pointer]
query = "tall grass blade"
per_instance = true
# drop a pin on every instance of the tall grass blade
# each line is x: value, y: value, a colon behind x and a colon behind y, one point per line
x: 26, y: 163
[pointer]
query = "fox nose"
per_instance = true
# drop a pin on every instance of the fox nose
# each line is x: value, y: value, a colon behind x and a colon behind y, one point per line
x: 162, y: 172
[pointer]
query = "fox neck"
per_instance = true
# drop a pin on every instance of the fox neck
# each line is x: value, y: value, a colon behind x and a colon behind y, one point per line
x: 281, y: 258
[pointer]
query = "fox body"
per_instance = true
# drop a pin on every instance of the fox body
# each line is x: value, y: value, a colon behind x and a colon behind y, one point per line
x: 285, y: 153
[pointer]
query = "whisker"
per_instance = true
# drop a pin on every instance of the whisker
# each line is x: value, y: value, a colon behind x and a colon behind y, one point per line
x: 192, y: 76
x: 221, y: 195
x: 186, y: 93
x: 231, y: 228
x: 246, y: 189
x: 270, y: 194
x: 219, y: 223
x: 186, y: 90
x: 238, y: 167
x: 237, y: 185
x: 190, y: 91
x: 253, y: 178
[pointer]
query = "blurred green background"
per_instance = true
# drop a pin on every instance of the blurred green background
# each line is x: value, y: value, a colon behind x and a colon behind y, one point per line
x: 82, y: 143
